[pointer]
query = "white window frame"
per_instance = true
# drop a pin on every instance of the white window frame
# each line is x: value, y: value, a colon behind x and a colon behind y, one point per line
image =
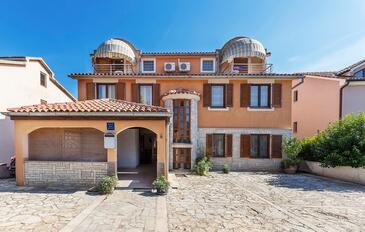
x: 154, y: 65
x: 201, y: 65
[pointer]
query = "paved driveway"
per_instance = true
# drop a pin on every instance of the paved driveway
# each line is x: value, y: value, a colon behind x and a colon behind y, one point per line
x: 265, y: 202
x: 220, y: 202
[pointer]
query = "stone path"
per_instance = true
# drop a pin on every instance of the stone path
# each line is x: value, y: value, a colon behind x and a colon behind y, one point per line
x: 265, y: 202
x: 219, y: 202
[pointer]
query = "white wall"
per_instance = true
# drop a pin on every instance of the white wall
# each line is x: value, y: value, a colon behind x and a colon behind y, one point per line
x: 353, y: 98
x: 128, y: 148
x: 20, y: 86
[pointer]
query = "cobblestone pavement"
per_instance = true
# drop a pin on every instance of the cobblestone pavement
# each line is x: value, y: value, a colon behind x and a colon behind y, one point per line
x: 219, y: 202
x: 265, y: 202
x: 32, y: 209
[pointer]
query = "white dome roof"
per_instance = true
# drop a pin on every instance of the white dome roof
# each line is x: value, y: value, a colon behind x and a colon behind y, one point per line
x: 116, y: 48
x: 242, y: 47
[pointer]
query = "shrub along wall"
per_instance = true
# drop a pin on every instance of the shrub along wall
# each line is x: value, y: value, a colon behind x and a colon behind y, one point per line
x: 341, y: 144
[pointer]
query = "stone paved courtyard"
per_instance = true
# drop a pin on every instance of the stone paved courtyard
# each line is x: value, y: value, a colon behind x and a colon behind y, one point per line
x: 219, y: 202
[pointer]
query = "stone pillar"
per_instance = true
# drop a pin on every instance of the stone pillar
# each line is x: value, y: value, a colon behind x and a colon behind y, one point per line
x: 162, y: 169
x: 112, y: 162
x: 194, y: 130
x: 170, y: 107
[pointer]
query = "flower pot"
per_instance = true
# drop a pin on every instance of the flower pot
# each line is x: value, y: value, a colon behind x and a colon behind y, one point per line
x: 292, y: 169
x: 161, y: 192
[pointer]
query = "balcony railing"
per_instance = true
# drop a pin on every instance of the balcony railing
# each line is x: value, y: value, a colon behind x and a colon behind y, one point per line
x: 113, y: 68
x: 251, y: 68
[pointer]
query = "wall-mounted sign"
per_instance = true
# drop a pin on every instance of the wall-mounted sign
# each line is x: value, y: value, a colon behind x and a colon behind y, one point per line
x: 110, y: 126
x: 109, y: 141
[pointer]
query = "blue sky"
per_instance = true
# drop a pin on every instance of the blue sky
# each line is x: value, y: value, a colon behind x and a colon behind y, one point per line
x: 308, y: 35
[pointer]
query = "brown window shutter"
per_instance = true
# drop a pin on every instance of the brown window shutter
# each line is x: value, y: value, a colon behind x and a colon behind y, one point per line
x: 229, y: 95
x: 245, y: 95
x: 228, y: 145
x: 120, y: 93
x: 90, y: 91
x: 156, y: 94
x: 276, y: 102
x: 209, y: 145
x: 206, y: 95
x: 276, y: 142
x: 245, y: 146
x: 135, y: 92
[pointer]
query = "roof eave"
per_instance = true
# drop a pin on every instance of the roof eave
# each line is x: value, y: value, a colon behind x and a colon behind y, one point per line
x: 88, y: 114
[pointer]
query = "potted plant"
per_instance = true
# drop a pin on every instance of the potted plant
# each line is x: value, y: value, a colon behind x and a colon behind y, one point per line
x: 226, y: 169
x: 107, y: 184
x: 161, y: 185
x: 202, y: 166
x: 291, y: 147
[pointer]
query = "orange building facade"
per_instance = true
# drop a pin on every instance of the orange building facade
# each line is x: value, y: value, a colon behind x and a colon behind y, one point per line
x: 163, y: 109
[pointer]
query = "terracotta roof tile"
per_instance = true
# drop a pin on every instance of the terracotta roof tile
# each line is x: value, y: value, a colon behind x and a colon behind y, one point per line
x: 348, y: 68
x: 181, y: 91
x: 97, y: 105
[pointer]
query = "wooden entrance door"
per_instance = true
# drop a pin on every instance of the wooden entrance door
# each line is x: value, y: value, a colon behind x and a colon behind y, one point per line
x: 182, y: 158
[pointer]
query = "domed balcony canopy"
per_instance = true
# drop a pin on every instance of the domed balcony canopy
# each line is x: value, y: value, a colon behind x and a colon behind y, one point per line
x: 242, y: 47
x: 116, y: 48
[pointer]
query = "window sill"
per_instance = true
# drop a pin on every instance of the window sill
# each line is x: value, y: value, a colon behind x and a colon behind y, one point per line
x: 182, y: 145
x: 218, y: 109
x: 260, y: 109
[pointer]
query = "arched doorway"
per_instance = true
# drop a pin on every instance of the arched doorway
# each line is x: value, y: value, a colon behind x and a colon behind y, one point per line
x: 136, y: 157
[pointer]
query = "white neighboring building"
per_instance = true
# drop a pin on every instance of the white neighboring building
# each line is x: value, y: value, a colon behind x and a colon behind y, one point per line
x: 24, y: 81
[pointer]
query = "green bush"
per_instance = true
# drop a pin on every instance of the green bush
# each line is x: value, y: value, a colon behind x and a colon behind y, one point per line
x: 226, y: 169
x: 202, y: 166
x: 161, y: 185
x: 291, y: 147
x: 341, y: 144
x: 107, y: 184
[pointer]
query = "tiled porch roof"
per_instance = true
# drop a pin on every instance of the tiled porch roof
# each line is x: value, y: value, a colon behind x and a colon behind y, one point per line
x: 92, y: 106
x: 181, y: 91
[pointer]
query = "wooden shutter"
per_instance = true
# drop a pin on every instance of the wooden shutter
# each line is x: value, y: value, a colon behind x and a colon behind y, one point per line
x: 245, y: 146
x: 206, y: 95
x: 90, y: 91
x: 245, y: 95
x: 228, y: 145
x: 229, y: 95
x: 156, y: 95
x: 276, y: 142
x: 276, y: 95
x: 135, y: 93
x: 209, y: 145
x: 120, y: 93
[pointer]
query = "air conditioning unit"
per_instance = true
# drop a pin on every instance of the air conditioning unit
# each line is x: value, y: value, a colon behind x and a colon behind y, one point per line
x: 169, y: 66
x: 184, y: 66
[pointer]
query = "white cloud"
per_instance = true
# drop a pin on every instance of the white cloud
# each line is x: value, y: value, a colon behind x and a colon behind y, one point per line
x: 339, y: 58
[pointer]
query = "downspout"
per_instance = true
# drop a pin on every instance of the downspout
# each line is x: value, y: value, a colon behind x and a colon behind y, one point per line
x: 301, y: 82
x: 341, y: 96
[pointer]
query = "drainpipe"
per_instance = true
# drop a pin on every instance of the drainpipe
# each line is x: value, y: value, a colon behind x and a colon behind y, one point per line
x: 341, y: 96
x: 301, y: 82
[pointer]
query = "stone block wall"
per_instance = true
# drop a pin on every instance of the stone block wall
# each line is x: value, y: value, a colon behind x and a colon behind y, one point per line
x: 64, y: 173
x: 235, y: 162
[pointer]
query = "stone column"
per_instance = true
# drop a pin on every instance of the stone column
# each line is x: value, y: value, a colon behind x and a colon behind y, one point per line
x: 194, y: 130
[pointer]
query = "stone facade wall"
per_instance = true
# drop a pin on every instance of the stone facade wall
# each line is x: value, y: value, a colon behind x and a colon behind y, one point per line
x: 236, y: 162
x: 62, y: 173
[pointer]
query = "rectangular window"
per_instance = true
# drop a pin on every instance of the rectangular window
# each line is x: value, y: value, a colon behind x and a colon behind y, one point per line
x: 105, y: 91
x: 295, y: 127
x: 260, y: 146
x: 43, y: 79
x: 360, y: 73
x: 218, y: 145
x: 207, y: 65
x: 181, y: 121
x: 218, y: 96
x: 295, y: 95
x: 260, y: 96
x: 145, y: 94
x: 148, y: 65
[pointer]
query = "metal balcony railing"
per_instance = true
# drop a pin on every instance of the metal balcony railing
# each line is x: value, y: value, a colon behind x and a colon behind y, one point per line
x: 113, y: 68
x: 251, y: 68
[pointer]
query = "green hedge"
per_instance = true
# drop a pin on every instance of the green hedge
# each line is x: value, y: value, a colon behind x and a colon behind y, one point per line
x: 341, y: 144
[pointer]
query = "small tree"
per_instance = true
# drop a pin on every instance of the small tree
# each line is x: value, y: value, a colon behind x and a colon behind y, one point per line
x: 291, y: 147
